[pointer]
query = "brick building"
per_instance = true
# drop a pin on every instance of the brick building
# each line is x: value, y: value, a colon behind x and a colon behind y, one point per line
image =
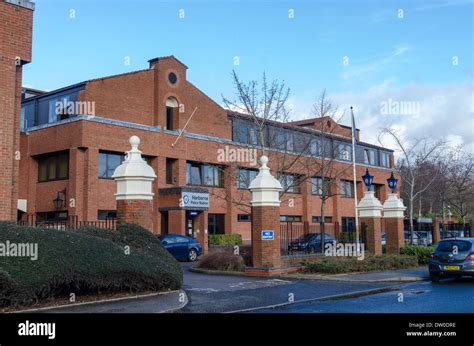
x: 72, y: 152
x: 16, y: 20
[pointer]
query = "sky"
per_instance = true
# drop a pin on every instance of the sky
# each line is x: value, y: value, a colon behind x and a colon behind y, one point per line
x: 405, y: 64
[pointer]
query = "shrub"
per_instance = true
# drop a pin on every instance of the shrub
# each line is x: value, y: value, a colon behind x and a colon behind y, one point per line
x: 84, y: 262
x: 225, y: 239
x: 337, y: 265
x: 222, y: 260
x: 422, y: 253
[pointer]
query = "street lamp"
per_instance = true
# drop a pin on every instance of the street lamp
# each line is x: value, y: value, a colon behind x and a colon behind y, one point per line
x: 368, y: 179
x: 392, y: 183
x: 58, y: 201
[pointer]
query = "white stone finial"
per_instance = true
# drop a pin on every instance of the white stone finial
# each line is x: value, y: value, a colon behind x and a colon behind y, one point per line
x: 134, y: 176
x: 369, y: 205
x: 393, y: 206
x: 134, y: 142
x: 265, y: 188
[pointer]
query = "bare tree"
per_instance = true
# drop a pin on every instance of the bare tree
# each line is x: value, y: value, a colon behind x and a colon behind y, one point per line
x: 414, y: 158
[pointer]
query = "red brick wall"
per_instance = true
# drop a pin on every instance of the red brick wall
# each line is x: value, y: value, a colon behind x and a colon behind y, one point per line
x: 136, y: 211
x: 266, y: 253
x: 15, y: 41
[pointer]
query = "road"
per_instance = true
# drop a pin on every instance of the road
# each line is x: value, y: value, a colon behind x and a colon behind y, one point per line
x: 421, y: 297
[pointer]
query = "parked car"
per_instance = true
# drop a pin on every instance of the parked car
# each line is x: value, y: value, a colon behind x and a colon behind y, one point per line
x: 310, y: 243
x: 182, y: 248
x: 452, y: 258
x: 418, y: 239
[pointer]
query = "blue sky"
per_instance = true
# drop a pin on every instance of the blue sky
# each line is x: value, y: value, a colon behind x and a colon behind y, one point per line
x: 388, y: 56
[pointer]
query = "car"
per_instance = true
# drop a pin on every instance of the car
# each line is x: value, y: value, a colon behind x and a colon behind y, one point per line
x: 310, y: 243
x: 453, y: 257
x: 417, y: 238
x: 384, y: 239
x: 181, y: 247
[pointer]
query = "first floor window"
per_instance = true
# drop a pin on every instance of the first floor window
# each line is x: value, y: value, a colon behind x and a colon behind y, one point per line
x: 347, y: 188
x: 204, y: 174
x: 216, y: 223
x: 245, y: 176
x: 290, y: 183
x: 108, y: 162
x: 317, y: 186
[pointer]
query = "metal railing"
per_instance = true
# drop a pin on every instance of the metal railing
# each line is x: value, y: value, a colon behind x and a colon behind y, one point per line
x: 72, y: 222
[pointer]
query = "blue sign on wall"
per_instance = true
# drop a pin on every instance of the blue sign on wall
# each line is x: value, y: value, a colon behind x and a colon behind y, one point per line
x: 268, y: 235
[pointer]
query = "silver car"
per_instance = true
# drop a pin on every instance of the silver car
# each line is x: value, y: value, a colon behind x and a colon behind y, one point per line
x: 452, y: 258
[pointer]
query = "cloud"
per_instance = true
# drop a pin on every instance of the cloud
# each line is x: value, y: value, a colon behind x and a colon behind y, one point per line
x: 416, y: 111
x: 376, y: 64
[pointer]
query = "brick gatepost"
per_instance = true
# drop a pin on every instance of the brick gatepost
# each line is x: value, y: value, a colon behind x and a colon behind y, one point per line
x: 436, y: 230
x: 265, y: 202
x: 201, y: 234
x: 370, y: 217
x: 393, y: 210
x: 134, y: 195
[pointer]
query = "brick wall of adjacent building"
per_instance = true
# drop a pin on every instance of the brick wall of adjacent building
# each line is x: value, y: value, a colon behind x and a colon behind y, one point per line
x: 15, y: 50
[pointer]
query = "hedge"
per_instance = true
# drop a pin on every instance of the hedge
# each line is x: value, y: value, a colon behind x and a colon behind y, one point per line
x: 337, y: 265
x: 225, y: 239
x: 422, y: 253
x: 87, y: 261
x: 222, y: 260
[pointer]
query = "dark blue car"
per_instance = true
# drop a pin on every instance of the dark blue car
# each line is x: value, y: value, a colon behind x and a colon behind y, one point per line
x: 182, y: 248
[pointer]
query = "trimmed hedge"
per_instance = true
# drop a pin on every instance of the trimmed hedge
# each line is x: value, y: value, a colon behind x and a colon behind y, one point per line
x: 422, y: 253
x: 87, y: 261
x: 225, y: 239
x: 222, y: 260
x: 337, y: 265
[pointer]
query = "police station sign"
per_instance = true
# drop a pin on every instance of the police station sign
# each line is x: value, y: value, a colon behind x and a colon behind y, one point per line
x: 192, y: 200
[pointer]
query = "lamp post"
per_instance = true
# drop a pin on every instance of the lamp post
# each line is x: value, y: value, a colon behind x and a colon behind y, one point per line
x: 392, y: 183
x: 368, y: 179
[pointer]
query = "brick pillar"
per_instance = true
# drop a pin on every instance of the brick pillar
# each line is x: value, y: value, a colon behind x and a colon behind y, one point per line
x: 134, y: 195
x: 265, y: 224
x: 177, y: 222
x: 136, y: 211
x: 16, y: 20
x: 393, y: 210
x: 370, y: 213
x: 201, y: 230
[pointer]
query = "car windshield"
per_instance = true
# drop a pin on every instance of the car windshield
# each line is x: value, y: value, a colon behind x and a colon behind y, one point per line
x: 448, y: 245
x: 307, y: 237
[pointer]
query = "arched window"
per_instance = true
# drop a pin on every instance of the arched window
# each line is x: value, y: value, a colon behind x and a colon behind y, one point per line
x: 171, y: 113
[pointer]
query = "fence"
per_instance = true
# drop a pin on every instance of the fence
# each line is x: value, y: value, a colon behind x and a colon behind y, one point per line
x: 455, y: 230
x: 72, y: 222
x: 299, y: 238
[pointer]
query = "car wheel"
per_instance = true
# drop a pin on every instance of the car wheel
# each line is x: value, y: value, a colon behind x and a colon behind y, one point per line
x: 192, y: 255
x: 434, y: 277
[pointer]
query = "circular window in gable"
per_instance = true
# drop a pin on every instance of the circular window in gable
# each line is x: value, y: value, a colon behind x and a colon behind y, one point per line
x: 172, y: 78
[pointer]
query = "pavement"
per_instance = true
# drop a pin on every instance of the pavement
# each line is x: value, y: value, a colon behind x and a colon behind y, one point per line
x: 165, y: 302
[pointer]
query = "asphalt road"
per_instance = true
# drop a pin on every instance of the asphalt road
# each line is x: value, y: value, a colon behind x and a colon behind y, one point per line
x: 221, y: 293
x: 450, y: 296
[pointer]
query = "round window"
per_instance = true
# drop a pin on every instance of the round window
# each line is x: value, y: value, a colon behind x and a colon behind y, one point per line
x: 172, y: 77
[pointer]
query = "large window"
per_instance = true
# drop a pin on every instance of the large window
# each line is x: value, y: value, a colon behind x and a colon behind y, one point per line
x: 348, y: 224
x: 108, y: 162
x: 245, y: 176
x: 216, y: 223
x: 53, y: 167
x: 347, y: 188
x: 203, y: 174
x: 244, y: 132
x: 369, y: 156
x: 290, y: 183
x: 344, y: 152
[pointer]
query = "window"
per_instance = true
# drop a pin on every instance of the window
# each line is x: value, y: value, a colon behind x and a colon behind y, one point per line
x: 244, y: 217
x: 106, y: 214
x: 171, y: 112
x: 169, y: 170
x: 172, y: 78
x: 290, y: 183
x: 317, y: 186
x: 377, y: 189
x: 315, y: 147
x: 347, y: 188
x: 348, y: 224
x: 369, y: 157
x: 344, y: 152
x: 244, y: 132
x: 53, y: 167
x: 216, y: 223
x: 51, y: 216
x: 245, y: 176
x: 203, y: 174
x: 290, y: 218
x: 384, y: 159
x: 317, y: 219
x: 108, y: 162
